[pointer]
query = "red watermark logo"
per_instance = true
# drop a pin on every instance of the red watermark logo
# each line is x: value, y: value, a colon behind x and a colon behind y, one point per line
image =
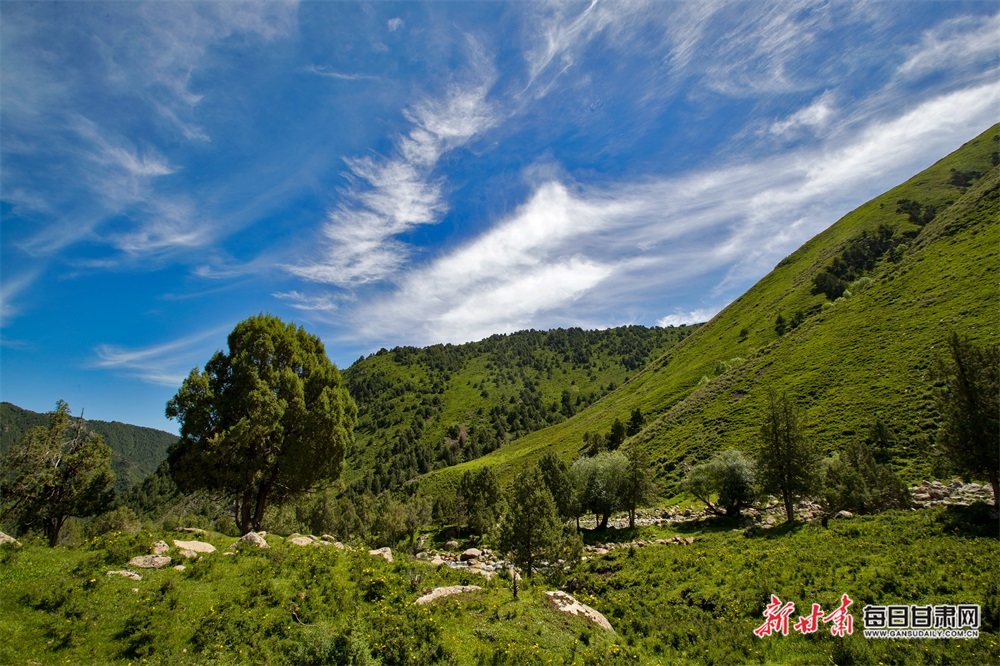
x: 776, y: 616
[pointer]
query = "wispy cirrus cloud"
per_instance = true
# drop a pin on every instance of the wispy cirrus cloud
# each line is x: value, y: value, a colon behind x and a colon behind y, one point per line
x: 954, y: 45
x: 388, y: 196
x: 165, y: 364
x: 591, y: 250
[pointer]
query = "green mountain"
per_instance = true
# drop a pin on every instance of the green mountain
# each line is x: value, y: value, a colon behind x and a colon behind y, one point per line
x: 424, y: 409
x: 135, y: 451
x: 917, y: 263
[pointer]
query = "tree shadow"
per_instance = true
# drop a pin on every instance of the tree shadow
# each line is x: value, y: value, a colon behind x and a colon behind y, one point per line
x: 976, y: 520
x: 776, y: 532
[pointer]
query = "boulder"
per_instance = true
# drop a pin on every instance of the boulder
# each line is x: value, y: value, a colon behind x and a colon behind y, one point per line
x: 187, y: 554
x: 250, y: 539
x: 471, y: 554
x: 300, y: 541
x: 440, y: 592
x: 385, y: 552
x: 160, y: 548
x: 451, y: 545
x: 195, y: 546
x: 149, y: 561
x: 567, y: 604
x: 437, y: 561
x: 179, y: 567
x: 844, y: 514
x: 6, y: 540
x: 124, y: 573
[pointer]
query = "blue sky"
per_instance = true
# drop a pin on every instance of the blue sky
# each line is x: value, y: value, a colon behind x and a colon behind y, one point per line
x: 413, y: 173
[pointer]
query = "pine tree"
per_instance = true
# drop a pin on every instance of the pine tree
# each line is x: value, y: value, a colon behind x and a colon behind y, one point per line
x: 530, y: 528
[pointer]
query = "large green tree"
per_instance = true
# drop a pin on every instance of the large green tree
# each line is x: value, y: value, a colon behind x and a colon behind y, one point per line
x: 786, y: 463
x: 481, y: 499
x: 729, y: 476
x: 55, y: 472
x: 637, y: 487
x: 269, y: 420
x: 529, y: 528
x: 969, y: 402
x: 559, y: 481
x: 599, y: 481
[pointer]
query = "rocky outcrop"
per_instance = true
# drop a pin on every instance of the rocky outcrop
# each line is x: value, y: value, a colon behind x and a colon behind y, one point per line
x: 250, y: 539
x: 929, y: 493
x: 567, y: 604
x: 385, y: 553
x: 149, y: 561
x: 440, y: 592
x: 125, y: 573
x: 199, y: 547
x: 6, y: 540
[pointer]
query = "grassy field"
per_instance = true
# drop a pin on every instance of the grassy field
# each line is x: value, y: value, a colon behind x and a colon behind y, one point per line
x: 669, y: 604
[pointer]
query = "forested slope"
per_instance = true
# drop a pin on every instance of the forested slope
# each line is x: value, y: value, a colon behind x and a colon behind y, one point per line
x: 135, y: 451
x: 918, y: 262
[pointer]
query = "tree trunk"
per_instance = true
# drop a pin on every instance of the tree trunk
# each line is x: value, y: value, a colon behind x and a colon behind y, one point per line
x: 995, y: 482
x: 603, y: 524
x: 631, y: 519
x: 52, y: 527
x: 789, y: 511
x: 243, y: 517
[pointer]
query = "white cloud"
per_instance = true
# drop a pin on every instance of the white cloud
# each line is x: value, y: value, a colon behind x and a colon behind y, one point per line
x: 389, y: 196
x: 813, y: 118
x: 697, y: 316
x: 166, y: 364
x: 10, y: 289
x: 300, y: 301
x: 395, y: 24
x: 954, y: 45
x: 569, y: 253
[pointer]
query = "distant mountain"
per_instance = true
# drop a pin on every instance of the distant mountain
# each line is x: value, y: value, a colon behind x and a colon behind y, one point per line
x: 136, y: 451
x: 864, y: 308
x: 425, y: 408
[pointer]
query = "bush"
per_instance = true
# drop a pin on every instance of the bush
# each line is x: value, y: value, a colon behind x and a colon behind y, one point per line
x: 853, y: 481
x: 729, y: 477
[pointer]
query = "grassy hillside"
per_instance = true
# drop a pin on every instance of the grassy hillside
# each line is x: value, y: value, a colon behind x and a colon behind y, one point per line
x: 847, y: 362
x: 423, y: 409
x: 136, y: 451
x: 668, y: 604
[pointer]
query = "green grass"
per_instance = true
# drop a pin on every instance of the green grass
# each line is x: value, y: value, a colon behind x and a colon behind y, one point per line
x: 862, y: 357
x: 671, y: 604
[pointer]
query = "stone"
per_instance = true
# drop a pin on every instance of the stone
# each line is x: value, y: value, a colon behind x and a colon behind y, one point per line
x: 439, y: 592
x: 191, y: 530
x: 195, y: 546
x: 124, y: 573
x: 385, y: 552
x: 567, y: 604
x: 300, y: 541
x: 471, y: 554
x: 250, y: 539
x: 451, y: 545
x: 188, y: 554
x: 149, y: 561
x: 6, y: 540
x: 160, y: 548
x: 844, y: 514
x: 179, y: 567
x: 437, y: 561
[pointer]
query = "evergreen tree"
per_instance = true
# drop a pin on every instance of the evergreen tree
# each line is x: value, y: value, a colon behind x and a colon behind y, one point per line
x: 969, y: 402
x: 55, y: 472
x: 559, y: 481
x: 786, y: 464
x: 529, y: 529
x: 267, y: 421
x: 637, y: 488
x: 635, y: 422
x: 481, y: 499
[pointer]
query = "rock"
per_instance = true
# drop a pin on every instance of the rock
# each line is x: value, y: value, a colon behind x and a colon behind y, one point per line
x: 385, y: 552
x: 160, y: 548
x: 437, y: 561
x: 844, y: 514
x: 250, y: 539
x: 971, y: 488
x: 6, y: 540
x: 300, y: 541
x: 124, y: 573
x: 471, y: 554
x: 195, y: 546
x: 440, y: 592
x: 488, y: 575
x: 179, y: 567
x: 328, y: 538
x: 149, y: 561
x: 192, y: 530
x: 451, y: 545
x: 601, y: 551
x: 567, y: 604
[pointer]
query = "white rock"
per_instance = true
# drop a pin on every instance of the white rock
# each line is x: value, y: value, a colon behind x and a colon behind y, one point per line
x: 149, y: 561
x: 160, y: 548
x: 124, y: 573
x: 385, y: 552
x: 567, y: 604
x: 195, y: 546
x: 250, y: 538
x: 300, y: 541
x: 440, y: 592
x: 9, y: 540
